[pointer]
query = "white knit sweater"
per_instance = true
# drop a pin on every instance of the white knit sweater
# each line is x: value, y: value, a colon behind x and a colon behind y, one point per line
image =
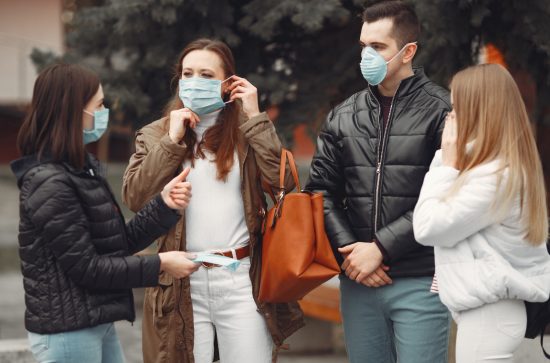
x: 215, y: 215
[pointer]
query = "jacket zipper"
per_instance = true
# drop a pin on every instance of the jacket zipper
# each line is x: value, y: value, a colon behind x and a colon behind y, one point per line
x: 381, y: 151
x: 121, y: 216
x: 260, y: 307
x: 91, y: 173
x: 242, y: 181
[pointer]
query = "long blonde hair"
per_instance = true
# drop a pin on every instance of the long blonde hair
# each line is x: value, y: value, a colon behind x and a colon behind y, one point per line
x: 489, y: 109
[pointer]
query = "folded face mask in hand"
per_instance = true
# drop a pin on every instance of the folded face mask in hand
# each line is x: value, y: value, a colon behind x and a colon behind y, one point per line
x: 227, y: 262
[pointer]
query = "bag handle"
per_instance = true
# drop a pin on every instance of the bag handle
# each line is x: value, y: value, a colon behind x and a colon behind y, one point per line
x: 284, y: 155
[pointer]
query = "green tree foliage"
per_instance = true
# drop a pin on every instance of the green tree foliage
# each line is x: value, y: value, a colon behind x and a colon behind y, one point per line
x: 455, y: 29
x: 302, y: 55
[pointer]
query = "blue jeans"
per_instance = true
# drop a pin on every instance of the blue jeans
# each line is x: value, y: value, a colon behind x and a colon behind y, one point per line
x: 99, y: 344
x: 403, y: 322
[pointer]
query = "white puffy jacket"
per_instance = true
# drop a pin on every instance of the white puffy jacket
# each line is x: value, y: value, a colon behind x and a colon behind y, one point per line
x: 479, y: 257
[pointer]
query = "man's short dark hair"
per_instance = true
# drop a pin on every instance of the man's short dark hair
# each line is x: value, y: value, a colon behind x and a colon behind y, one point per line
x: 406, y: 27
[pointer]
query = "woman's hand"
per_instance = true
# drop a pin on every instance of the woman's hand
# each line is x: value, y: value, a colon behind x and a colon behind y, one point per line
x: 179, y: 119
x: 177, y: 193
x: 448, y: 141
x: 244, y: 90
x: 178, y: 264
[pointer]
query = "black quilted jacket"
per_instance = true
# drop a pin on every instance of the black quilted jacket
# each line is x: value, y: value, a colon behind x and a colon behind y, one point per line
x: 76, y: 248
x: 371, y: 183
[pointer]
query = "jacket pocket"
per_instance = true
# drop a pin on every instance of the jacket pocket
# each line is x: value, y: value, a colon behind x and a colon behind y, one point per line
x: 162, y: 300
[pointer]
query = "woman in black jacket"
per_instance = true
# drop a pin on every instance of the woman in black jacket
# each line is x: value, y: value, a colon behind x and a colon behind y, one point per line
x: 75, y: 247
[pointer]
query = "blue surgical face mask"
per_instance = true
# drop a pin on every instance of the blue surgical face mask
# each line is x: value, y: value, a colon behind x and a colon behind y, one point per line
x: 373, y: 66
x: 201, y: 95
x: 101, y: 120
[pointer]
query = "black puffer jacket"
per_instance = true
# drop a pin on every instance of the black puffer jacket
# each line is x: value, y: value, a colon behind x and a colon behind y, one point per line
x: 75, y: 247
x: 371, y: 185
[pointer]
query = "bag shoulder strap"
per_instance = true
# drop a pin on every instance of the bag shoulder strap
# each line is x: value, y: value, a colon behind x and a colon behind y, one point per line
x: 542, y: 346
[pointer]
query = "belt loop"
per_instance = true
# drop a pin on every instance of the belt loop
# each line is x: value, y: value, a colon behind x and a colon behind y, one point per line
x: 234, y: 254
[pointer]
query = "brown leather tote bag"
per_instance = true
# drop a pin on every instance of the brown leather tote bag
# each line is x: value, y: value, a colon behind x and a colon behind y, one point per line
x: 296, y: 253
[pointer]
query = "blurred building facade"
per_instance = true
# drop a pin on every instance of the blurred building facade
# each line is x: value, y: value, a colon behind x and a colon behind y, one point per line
x: 29, y: 24
x: 24, y: 25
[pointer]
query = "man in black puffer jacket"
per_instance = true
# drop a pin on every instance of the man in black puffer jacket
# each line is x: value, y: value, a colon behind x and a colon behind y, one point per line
x: 371, y: 157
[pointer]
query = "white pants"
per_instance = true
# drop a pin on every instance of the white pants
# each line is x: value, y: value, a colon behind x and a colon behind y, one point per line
x: 223, y: 305
x: 490, y: 333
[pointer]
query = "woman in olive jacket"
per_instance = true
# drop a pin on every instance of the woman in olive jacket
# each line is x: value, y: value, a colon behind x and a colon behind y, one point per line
x: 74, y: 244
x: 230, y: 147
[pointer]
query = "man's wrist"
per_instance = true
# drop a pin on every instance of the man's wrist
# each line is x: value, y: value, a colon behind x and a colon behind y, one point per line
x: 383, y: 252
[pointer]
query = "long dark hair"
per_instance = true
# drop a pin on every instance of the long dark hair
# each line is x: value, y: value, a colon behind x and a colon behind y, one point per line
x: 53, y: 124
x: 220, y: 139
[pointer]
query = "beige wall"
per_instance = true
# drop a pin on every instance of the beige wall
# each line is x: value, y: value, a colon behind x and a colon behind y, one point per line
x: 24, y: 25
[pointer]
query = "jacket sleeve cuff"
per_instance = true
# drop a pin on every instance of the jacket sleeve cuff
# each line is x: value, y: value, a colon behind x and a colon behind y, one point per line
x: 255, y: 125
x: 385, y: 254
x: 150, y: 265
x: 171, y: 147
x: 164, y: 209
x: 166, y: 216
x: 342, y: 238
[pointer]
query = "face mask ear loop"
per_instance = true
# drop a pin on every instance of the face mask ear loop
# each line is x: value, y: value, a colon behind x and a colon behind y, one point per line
x: 225, y: 80
x: 93, y: 120
x: 402, y: 49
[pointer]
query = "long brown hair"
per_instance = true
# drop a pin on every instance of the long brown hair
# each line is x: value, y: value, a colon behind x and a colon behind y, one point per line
x: 220, y: 139
x: 489, y: 109
x: 53, y: 124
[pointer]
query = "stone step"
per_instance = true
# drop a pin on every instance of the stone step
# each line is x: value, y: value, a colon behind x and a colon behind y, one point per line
x: 15, y: 351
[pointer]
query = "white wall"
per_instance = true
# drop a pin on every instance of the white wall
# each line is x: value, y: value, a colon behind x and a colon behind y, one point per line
x: 24, y: 25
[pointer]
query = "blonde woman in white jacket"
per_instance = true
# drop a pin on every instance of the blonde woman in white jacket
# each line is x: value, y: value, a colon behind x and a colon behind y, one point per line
x: 483, y: 208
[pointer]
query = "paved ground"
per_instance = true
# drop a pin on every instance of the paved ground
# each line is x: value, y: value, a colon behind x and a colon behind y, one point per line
x: 9, y: 208
x: 11, y: 324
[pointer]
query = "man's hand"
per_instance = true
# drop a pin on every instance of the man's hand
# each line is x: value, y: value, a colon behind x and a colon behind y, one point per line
x: 378, y: 278
x: 361, y: 261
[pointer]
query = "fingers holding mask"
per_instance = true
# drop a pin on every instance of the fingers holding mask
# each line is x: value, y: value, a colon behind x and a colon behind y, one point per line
x: 179, y: 121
